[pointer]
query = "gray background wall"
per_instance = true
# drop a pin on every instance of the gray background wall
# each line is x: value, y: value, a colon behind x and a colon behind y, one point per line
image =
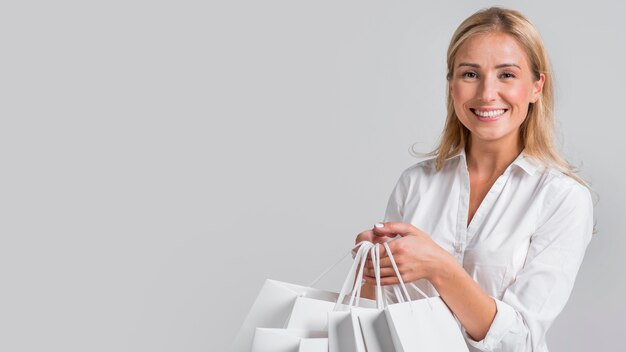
x: 160, y: 159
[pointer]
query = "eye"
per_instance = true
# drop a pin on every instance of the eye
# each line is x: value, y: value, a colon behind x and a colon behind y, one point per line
x: 469, y: 74
x: 507, y: 75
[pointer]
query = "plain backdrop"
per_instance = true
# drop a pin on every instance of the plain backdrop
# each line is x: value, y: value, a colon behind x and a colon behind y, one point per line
x: 160, y: 159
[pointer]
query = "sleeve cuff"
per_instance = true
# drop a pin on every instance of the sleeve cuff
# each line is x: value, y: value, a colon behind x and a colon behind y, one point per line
x: 502, y: 324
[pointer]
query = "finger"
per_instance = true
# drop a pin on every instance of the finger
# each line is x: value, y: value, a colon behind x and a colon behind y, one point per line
x: 383, y: 252
x: 368, y: 264
x: 384, y: 272
x: 367, y: 235
x: 390, y: 229
x: 363, y: 236
x: 391, y: 280
x: 381, y: 239
x: 386, y: 262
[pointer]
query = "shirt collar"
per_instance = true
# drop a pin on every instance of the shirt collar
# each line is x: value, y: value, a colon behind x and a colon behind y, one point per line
x: 523, y: 161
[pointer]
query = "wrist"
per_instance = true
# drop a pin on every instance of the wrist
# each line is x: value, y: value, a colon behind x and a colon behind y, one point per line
x: 444, y: 270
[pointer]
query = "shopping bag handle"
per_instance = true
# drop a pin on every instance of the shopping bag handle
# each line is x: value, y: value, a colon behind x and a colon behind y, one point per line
x: 375, y: 255
x: 354, y: 278
x: 325, y: 272
x: 380, y: 304
x: 402, y: 296
x: 358, y: 283
x: 402, y: 285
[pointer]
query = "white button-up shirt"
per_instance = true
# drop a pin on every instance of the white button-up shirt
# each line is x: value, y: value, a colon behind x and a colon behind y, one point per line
x: 523, y: 246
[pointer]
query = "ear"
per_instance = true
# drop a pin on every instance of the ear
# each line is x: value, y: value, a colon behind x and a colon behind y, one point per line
x: 538, y: 88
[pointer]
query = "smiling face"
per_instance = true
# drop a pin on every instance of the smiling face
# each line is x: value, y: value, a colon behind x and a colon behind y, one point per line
x: 492, y: 85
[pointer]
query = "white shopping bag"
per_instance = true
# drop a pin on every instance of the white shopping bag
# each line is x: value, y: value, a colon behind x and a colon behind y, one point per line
x: 373, y: 322
x: 284, y: 305
x: 272, y: 309
x: 344, y: 334
x: 313, y: 345
x: 422, y: 325
x: 287, y: 340
x: 312, y: 314
x: 375, y: 330
x: 344, y: 330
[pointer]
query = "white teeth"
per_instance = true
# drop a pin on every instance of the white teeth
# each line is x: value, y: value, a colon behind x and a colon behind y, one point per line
x: 492, y: 113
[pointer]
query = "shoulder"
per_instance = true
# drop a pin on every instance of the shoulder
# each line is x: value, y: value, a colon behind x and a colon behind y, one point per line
x: 558, y: 185
x: 563, y: 195
x: 565, y: 214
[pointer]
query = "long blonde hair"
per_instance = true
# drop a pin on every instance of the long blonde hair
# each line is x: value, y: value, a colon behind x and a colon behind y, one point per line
x: 537, y: 131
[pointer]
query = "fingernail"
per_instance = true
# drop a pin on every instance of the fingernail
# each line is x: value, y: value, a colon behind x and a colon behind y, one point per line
x: 380, y: 225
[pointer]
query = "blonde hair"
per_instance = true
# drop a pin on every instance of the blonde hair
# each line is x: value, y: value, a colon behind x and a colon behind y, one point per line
x: 538, y: 129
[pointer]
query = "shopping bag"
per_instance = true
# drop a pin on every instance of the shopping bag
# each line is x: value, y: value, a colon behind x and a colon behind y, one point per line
x: 422, y: 325
x: 313, y: 345
x: 272, y: 309
x: 344, y: 333
x: 311, y: 313
x: 373, y: 322
x: 375, y: 331
x: 288, y: 340
x: 344, y: 330
x: 285, y: 305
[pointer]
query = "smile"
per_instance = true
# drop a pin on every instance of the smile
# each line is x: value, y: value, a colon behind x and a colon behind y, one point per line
x: 488, y: 114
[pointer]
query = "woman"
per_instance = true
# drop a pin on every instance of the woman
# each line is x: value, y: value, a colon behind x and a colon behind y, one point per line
x: 495, y: 221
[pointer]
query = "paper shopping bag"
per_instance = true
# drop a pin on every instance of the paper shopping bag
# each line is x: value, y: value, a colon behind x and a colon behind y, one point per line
x: 359, y: 330
x: 373, y: 322
x: 272, y: 309
x: 285, y: 305
x: 285, y: 340
x: 421, y: 325
x: 424, y: 325
x: 375, y: 330
x: 313, y: 345
x: 344, y: 334
x: 312, y: 314
x: 344, y: 330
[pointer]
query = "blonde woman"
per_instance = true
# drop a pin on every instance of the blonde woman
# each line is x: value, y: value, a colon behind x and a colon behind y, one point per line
x: 494, y: 221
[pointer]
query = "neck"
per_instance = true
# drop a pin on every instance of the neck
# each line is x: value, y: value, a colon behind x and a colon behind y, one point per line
x: 489, y: 160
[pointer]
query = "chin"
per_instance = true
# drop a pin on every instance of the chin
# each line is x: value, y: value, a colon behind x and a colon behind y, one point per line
x: 487, y: 135
x: 490, y: 137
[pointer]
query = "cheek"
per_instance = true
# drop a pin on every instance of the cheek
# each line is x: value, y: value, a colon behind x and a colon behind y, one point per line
x: 459, y: 91
x: 460, y: 94
x: 518, y: 95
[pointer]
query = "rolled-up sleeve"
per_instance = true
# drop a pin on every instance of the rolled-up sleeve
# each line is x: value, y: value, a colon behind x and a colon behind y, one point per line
x: 543, y: 286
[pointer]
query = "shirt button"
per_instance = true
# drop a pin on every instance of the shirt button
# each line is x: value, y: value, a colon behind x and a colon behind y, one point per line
x: 458, y: 248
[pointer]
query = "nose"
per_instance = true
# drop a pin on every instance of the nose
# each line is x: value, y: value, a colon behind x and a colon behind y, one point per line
x: 487, y: 91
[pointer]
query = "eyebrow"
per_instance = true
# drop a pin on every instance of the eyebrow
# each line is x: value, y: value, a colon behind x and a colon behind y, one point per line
x: 498, y: 66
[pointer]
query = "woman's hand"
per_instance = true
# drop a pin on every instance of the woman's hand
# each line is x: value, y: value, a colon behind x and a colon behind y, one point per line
x: 369, y: 235
x: 415, y: 253
x: 368, y: 289
x: 419, y: 257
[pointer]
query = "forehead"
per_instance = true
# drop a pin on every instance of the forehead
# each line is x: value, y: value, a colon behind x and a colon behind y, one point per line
x: 491, y: 49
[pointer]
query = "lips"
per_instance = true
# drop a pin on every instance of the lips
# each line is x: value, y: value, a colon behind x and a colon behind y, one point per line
x: 488, y: 113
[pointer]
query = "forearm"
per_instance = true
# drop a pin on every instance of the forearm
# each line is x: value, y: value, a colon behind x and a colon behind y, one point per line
x: 469, y: 302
